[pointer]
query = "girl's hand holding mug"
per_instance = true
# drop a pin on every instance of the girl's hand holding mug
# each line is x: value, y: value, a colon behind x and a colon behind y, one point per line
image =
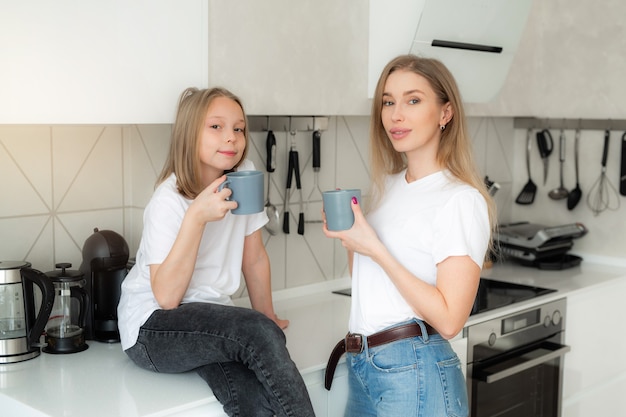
x: 212, y: 205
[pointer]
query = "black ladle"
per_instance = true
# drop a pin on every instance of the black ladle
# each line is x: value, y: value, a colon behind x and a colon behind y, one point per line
x: 574, y: 196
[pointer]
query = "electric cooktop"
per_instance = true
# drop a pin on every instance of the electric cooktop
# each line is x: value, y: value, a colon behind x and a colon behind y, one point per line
x: 494, y: 294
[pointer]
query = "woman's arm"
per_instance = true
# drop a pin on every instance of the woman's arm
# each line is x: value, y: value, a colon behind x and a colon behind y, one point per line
x: 171, y: 278
x: 256, y: 272
x: 445, y: 306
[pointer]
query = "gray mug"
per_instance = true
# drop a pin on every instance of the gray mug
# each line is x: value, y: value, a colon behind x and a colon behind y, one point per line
x: 338, y: 208
x: 247, y: 191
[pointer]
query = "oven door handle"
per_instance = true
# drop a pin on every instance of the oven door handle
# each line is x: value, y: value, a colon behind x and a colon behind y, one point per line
x: 555, y: 351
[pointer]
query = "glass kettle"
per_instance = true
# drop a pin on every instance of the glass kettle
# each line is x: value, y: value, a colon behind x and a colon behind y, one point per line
x: 65, y: 328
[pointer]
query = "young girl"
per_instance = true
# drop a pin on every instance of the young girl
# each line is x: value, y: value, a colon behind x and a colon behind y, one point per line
x: 416, y: 258
x: 175, y: 312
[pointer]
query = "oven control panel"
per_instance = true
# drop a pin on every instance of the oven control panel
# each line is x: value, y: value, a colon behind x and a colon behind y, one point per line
x: 516, y: 329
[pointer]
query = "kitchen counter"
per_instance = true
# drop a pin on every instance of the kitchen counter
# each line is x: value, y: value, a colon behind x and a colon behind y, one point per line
x: 102, y: 381
x: 567, y: 282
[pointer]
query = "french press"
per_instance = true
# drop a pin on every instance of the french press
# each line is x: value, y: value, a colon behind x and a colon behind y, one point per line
x: 65, y: 331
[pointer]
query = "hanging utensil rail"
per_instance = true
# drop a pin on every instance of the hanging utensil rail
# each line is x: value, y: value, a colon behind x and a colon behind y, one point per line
x: 568, y: 124
x: 297, y: 123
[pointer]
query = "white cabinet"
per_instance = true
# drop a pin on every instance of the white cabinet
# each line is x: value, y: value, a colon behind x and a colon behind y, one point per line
x: 328, y: 403
x: 99, y: 62
x: 281, y: 57
x: 595, y: 372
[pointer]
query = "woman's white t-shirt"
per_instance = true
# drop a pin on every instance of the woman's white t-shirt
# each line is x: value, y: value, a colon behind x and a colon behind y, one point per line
x: 217, y: 273
x: 421, y: 223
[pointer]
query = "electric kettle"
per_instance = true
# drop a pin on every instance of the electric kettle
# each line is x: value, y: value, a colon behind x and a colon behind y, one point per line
x: 20, y: 327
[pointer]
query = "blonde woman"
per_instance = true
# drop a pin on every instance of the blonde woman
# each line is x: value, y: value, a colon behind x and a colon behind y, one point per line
x: 416, y: 257
x: 175, y: 312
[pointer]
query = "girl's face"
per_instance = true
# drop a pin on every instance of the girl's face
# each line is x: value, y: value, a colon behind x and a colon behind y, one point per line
x: 222, y: 138
x: 411, y: 114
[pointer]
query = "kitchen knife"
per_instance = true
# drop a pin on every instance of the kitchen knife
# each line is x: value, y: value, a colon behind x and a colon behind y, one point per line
x: 545, y: 145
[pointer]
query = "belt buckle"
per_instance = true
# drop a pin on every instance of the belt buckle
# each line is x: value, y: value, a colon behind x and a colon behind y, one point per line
x: 354, y: 343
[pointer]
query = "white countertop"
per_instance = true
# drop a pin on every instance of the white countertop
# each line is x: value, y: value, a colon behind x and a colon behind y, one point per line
x: 566, y: 282
x: 102, y: 381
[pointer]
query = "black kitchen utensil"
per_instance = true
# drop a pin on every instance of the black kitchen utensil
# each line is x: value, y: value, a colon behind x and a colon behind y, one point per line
x: 560, y: 192
x: 622, y: 176
x: 294, y: 171
x: 492, y: 186
x: 316, y: 169
x: 574, y: 196
x: 527, y: 195
x: 545, y: 145
x: 287, y: 192
x: 602, y: 193
x: 270, y: 165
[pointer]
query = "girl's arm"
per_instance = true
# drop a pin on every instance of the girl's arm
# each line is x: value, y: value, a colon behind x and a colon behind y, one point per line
x: 256, y: 272
x: 170, y: 279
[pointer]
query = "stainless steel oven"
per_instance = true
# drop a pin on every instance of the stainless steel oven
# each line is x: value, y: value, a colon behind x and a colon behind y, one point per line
x: 515, y: 363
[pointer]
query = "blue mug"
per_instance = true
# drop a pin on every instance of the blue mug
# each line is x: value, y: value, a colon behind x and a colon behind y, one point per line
x: 247, y: 191
x: 338, y: 208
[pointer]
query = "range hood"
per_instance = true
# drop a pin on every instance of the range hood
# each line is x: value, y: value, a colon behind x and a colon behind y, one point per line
x: 475, y: 39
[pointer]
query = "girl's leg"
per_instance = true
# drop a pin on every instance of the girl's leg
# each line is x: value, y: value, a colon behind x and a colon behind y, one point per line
x: 198, y: 334
x: 237, y: 388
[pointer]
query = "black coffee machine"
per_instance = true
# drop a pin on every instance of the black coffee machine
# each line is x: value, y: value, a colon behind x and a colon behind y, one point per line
x: 105, y: 255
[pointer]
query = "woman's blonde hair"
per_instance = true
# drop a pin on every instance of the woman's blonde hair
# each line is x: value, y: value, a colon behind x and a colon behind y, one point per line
x: 455, y: 149
x: 183, y: 158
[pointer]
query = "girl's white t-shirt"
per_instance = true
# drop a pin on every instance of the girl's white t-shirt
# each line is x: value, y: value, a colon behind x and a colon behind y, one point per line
x: 217, y: 273
x: 421, y: 223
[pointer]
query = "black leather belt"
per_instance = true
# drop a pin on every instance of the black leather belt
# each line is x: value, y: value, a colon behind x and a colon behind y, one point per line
x: 353, y: 343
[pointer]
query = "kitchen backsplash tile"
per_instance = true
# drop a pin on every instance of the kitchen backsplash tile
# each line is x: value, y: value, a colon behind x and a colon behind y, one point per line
x: 87, y: 168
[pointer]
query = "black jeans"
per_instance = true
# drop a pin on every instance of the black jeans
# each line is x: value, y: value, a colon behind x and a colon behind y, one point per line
x: 239, y: 352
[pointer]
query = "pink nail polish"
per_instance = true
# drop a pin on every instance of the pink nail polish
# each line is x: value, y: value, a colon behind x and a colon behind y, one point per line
x: 354, y: 200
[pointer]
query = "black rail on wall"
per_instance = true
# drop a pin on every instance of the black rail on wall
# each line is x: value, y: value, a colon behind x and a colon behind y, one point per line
x: 293, y: 123
x: 564, y: 123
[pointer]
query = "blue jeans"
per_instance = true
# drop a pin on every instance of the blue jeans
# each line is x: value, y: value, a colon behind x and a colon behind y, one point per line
x: 414, y: 377
x: 239, y: 352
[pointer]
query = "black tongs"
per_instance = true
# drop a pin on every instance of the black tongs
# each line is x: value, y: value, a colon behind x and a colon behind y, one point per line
x: 545, y: 145
x: 294, y: 170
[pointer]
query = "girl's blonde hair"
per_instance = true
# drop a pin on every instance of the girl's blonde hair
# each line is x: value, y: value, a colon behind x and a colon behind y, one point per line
x: 455, y: 150
x: 183, y: 158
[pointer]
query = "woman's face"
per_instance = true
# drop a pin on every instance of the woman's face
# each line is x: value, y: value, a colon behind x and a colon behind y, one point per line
x: 411, y: 113
x: 222, y: 138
